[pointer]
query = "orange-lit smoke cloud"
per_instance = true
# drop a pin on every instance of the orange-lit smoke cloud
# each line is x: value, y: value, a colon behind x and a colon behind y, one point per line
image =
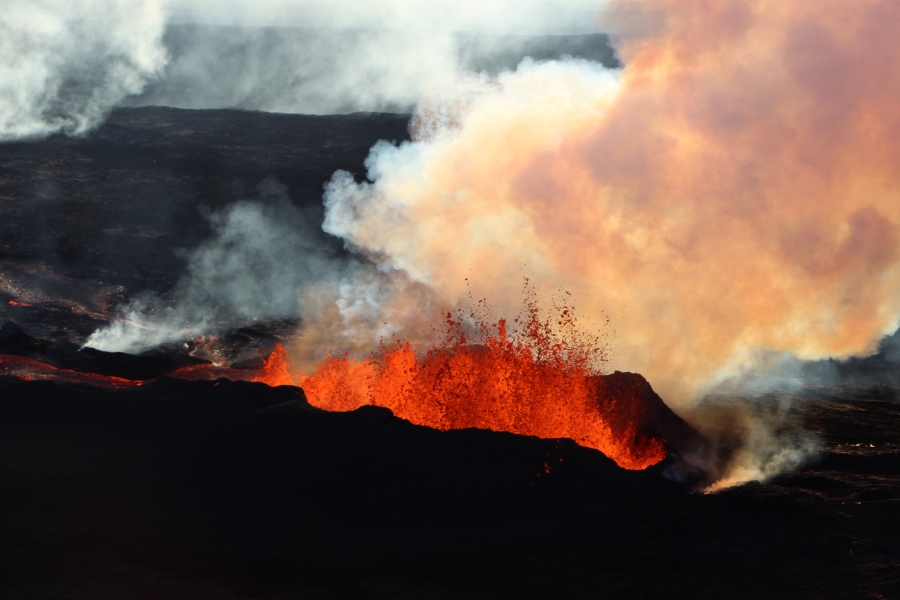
x: 735, y: 188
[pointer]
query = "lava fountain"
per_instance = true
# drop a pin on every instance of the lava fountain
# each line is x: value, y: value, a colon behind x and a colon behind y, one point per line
x: 539, y: 381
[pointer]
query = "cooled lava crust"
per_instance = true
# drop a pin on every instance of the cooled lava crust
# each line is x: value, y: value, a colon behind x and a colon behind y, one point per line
x: 211, y: 489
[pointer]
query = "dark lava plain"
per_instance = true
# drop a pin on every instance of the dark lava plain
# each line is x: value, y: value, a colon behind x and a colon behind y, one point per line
x: 221, y: 489
x: 236, y: 490
x: 121, y: 205
x: 86, y: 223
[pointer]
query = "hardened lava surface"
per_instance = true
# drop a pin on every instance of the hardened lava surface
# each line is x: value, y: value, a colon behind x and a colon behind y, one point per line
x: 210, y: 489
x: 88, y: 223
x: 231, y: 489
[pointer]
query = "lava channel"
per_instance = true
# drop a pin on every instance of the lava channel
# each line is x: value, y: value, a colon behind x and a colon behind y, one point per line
x: 30, y: 369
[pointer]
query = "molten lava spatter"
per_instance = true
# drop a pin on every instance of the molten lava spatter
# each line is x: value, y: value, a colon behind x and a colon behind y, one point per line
x: 534, y: 383
x: 276, y: 369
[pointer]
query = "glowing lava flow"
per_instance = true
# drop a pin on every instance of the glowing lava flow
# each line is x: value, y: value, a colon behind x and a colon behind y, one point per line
x: 30, y: 369
x: 533, y: 384
x: 276, y: 369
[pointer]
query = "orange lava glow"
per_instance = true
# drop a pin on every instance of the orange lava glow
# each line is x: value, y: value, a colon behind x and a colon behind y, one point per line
x: 533, y: 383
x: 276, y: 369
x: 14, y: 303
x: 30, y: 369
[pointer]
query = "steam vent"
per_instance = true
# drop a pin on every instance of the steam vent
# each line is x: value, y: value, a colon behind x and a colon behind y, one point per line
x: 431, y: 299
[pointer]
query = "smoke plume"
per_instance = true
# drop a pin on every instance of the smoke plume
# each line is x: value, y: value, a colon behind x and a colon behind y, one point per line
x: 501, y: 16
x: 265, y: 260
x: 730, y: 198
x: 262, y: 252
x: 329, y: 71
x: 747, y: 439
x: 734, y: 189
x: 64, y: 65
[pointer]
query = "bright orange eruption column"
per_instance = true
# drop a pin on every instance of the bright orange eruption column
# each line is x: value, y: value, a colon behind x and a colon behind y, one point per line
x: 540, y: 386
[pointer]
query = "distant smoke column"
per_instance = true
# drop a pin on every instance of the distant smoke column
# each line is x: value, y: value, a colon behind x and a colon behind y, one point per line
x: 733, y: 190
x: 64, y: 65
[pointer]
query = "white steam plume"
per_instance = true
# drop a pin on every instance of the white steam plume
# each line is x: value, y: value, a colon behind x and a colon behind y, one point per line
x: 749, y: 439
x: 65, y: 65
x: 327, y: 71
x: 265, y: 260
x: 730, y: 198
x: 500, y: 16
x: 717, y: 197
x: 259, y: 257
x: 306, y: 56
x: 293, y: 70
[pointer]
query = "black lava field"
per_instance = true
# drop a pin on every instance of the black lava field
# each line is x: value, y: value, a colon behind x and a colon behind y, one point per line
x: 234, y: 489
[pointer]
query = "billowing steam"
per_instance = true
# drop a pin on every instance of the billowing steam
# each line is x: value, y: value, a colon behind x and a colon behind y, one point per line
x: 748, y: 440
x: 305, y: 56
x: 262, y: 251
x: 733, y: 190
x: 266, y: 260
x: 499, y: 16
x: 731, y: 195
x: 328, y: 71
x: 65, y: 65
x: 298, y: 70
x: 360, y: 309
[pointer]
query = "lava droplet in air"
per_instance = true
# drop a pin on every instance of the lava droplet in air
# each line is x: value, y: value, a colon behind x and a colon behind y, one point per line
x: 533, y: 383
x: 542, y: 380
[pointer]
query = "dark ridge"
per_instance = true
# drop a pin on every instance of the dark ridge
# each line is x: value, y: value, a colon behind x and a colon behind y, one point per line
x: 621, y: 392
x: 881, y: 368
x: 230, y: 489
